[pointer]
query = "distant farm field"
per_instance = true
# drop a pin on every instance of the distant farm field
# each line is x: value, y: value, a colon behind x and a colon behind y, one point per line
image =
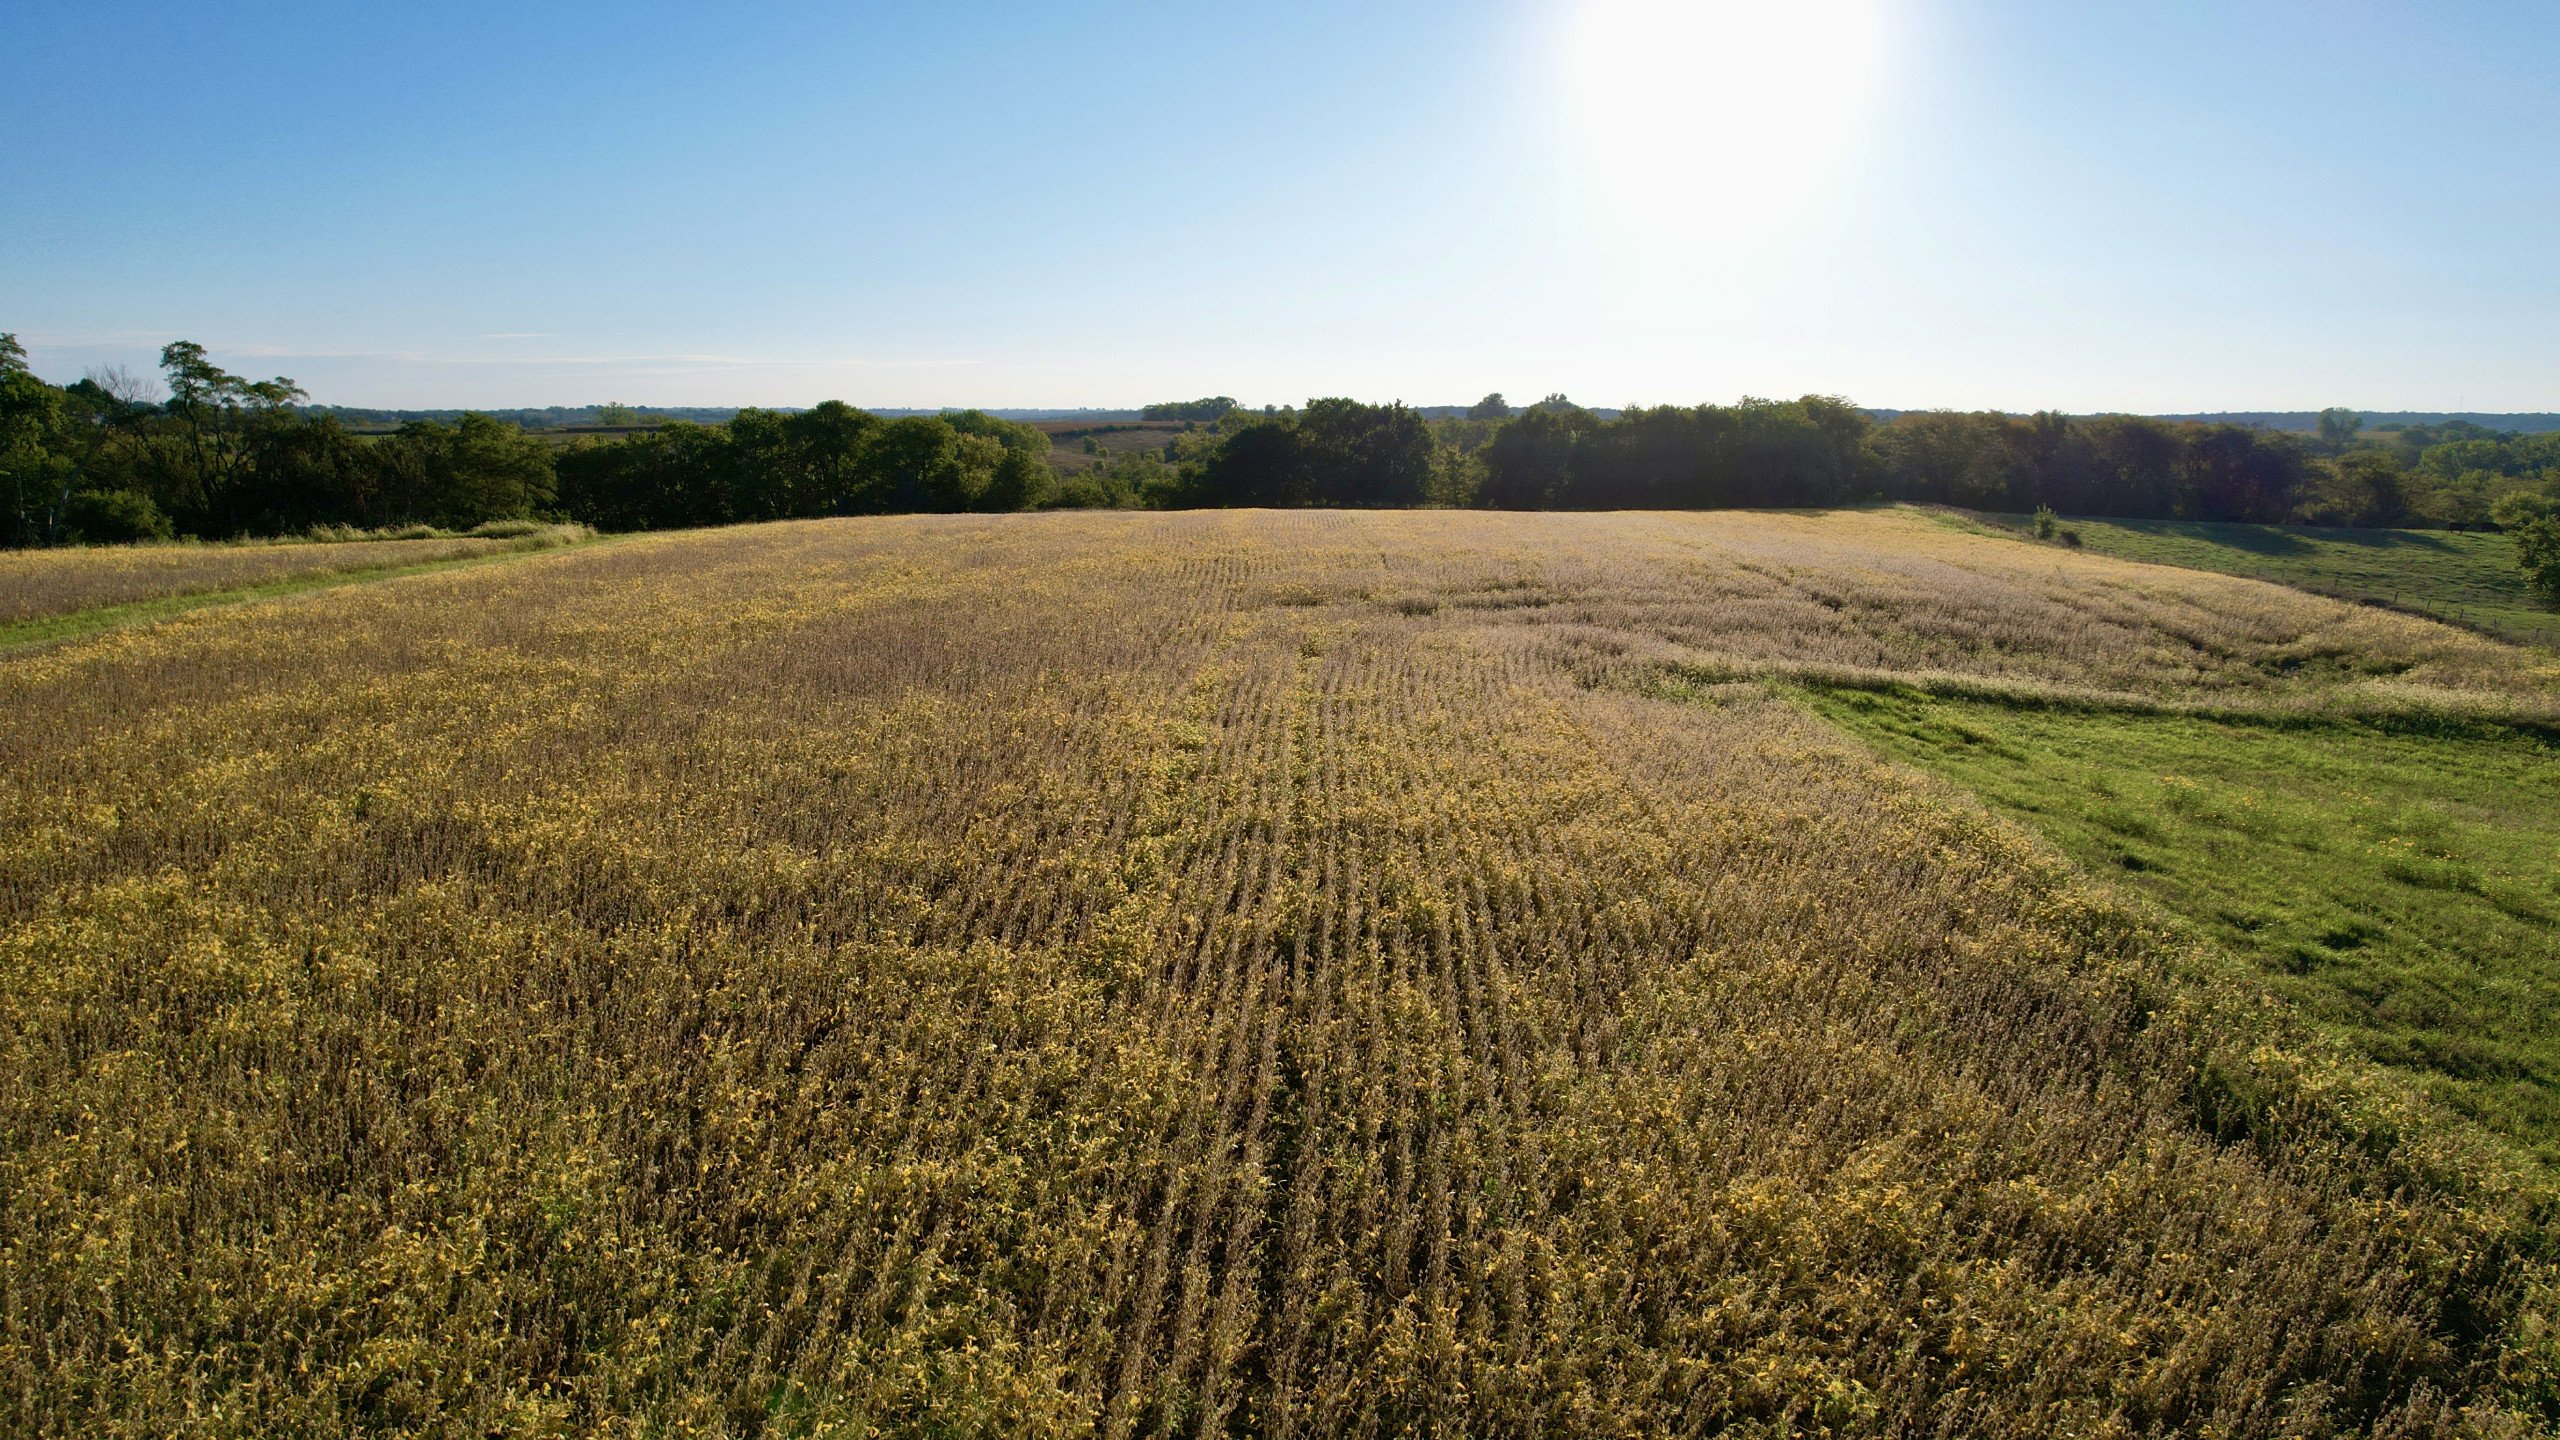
x: 1074, y: 447
x: 1297, y: 973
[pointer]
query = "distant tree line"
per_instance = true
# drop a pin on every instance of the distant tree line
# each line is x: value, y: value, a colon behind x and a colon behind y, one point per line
x: 830, y: 460
x: 225, y: 456
x: 1216, y: 407
x: 105, y: 459
x: 547, y: 417
x: 1822, y: 451
x: 1819, y: 451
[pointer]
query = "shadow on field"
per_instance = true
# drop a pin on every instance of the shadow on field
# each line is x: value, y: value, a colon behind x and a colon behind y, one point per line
x: 2279, y: 540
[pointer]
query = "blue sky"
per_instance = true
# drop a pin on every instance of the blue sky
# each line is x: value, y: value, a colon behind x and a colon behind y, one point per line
x: 2011, y: 203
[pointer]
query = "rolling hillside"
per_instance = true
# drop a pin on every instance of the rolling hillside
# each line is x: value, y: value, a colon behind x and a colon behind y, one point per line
x: 2467, y: 578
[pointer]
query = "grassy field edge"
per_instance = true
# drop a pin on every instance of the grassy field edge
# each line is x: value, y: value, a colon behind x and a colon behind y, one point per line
x: 2467, y: 579
x: 2395, y: 913
x: 21, y: 635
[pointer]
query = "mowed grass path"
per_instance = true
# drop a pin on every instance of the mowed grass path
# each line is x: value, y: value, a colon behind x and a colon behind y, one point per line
x: 1229, y: 973
x: 52, y: 595
x: 2466, y: 578
x: 2404, y: 889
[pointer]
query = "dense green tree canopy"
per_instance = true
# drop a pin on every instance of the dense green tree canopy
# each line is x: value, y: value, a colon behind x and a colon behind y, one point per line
x: 2538, y: 550
x: 1334, y: 452
x: 1216, y: 407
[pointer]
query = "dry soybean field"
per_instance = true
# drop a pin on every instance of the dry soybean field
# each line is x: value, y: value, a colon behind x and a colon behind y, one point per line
x: 1303, y: 973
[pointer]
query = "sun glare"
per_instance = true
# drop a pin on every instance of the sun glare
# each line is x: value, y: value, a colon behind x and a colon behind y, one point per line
x: 1708, y: 126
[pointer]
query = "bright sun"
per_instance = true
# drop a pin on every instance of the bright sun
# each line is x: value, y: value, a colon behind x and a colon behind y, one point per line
x: 1708, y: 126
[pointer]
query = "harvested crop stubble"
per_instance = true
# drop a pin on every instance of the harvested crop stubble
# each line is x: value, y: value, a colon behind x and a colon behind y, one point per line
x: 1131, y: 974
x: 36, y: 583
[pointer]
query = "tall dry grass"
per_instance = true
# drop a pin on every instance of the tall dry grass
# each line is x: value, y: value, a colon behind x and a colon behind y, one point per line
x: 1193, y: 974
x: 39, y: 583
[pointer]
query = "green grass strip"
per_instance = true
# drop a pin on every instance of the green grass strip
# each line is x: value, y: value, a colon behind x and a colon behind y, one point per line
x: 2400, y: 890
x: 2465, y: 578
